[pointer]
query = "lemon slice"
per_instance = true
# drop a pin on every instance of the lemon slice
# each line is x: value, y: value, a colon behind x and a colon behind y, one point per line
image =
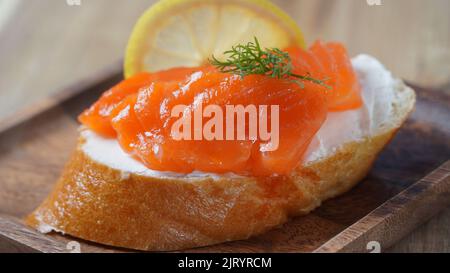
x: 175, y: 33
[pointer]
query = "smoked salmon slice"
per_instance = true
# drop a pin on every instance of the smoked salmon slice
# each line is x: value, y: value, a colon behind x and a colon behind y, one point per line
x: 329, y: 61
x: 138, y: 112
x: 97, y: 117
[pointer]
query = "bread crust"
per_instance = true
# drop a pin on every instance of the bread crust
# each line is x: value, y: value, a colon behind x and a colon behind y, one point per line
x: 96, y: 203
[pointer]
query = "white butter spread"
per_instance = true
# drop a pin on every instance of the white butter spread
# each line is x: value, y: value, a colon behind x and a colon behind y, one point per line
x: 108, y: 152
x: 378, y: 94
x: 339, y: 128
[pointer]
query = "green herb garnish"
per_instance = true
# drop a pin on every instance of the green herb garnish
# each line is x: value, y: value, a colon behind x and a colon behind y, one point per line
x: 251, y: 59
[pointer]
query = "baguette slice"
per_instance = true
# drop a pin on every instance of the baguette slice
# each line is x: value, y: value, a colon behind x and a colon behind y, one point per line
x: 98, y: 201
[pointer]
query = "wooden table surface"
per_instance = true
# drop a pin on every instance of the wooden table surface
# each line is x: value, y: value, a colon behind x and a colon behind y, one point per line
x: 48, y: 44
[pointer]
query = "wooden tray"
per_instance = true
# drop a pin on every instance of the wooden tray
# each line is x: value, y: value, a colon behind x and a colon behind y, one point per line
x: 409, y: 183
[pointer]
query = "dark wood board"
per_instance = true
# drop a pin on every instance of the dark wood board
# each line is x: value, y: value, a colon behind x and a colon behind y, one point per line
x: 408, y: 184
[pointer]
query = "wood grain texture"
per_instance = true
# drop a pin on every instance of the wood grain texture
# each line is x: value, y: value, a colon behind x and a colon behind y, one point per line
x: 345, y: 223
x: 399, y: 215
x: 68, y: 44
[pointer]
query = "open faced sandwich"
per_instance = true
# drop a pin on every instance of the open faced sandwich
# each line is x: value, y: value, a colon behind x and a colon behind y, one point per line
x: 228, y: 143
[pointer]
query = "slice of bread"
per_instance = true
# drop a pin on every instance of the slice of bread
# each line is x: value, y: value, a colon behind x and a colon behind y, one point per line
x: 99, y: 202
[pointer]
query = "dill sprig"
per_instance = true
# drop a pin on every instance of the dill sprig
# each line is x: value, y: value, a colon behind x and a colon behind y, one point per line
x: 251, y: 59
